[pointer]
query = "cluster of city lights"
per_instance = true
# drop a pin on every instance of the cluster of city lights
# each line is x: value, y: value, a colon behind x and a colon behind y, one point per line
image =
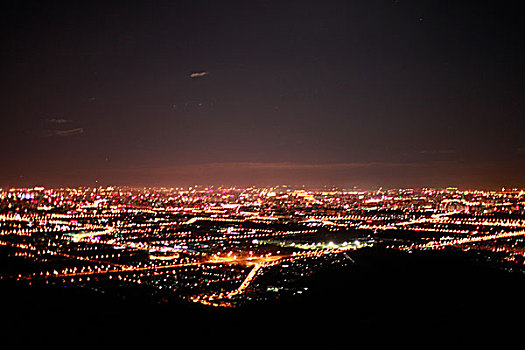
x: 210, y: 245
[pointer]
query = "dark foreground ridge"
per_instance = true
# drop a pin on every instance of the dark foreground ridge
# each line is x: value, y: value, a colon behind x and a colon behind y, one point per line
x: 386, y: 297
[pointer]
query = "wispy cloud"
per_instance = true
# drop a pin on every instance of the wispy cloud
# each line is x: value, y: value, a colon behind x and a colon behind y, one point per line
x: 58, y: 121
x: 365, y: 174
x: 299, y: 166
x: 439, y: 151
x: 61, y: 127
x: 198, y: 74
x: 69, y: 132
x: 276, y: 166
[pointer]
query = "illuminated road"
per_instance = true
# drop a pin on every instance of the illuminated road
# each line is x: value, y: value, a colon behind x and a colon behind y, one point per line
x: 222, y: 299
x: 472, y: 239
x: 247, y: 261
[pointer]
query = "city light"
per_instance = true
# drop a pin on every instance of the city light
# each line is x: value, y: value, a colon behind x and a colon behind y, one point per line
x: 210, y: 246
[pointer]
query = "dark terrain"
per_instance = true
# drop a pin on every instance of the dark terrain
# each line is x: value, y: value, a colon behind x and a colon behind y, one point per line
x: 386, y: 297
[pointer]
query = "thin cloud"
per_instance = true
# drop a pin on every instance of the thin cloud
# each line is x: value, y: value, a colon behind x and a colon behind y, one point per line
x: 299, y: 166
x: 438, y: 151
x: 198, y: 74
x: 61, y: 127
x: 284, y: 166
x: 70, y: 132
x: 58, y: 120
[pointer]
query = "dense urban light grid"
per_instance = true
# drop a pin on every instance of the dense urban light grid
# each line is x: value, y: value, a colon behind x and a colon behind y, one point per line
x: 215, y: 246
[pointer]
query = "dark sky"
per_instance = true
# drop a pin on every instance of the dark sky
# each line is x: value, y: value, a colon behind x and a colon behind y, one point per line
x: 365, y: 93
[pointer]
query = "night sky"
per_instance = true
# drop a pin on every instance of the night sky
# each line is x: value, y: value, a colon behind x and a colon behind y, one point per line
x: 347, y: 93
